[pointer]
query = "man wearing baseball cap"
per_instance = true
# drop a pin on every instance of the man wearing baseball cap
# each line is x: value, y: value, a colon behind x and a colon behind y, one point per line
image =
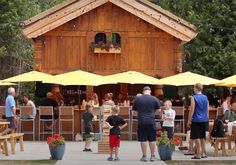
x: 146, y: 106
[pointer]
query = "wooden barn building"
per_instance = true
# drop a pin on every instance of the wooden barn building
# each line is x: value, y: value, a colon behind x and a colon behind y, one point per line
x: 107, y: 37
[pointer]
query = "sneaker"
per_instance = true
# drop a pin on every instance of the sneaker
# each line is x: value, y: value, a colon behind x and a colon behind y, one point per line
x: 117, y: 159
x: 152, y: 159
x: 87, y: 150
x: 144, y: 159
x: 110, y: 159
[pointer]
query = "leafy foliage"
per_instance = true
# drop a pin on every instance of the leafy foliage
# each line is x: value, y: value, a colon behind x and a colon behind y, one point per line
x: 16, y: 51
x: 164, y: 140
x: 56, y: 140
x: 213, y: 51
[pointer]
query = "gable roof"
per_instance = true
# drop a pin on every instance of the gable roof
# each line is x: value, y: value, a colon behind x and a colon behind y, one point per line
x: 70, y: 9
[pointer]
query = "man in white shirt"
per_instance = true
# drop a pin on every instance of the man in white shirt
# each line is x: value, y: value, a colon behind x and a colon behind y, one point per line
x: 168, y: 117
x: 29, y: 102
x: 226, y: 103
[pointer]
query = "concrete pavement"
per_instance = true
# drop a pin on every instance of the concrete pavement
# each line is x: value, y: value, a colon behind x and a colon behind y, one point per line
x: 130, y: 153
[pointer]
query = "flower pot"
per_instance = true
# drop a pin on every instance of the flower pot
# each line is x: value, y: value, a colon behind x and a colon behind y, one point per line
x: 57, y: 152
x: 165, y: 152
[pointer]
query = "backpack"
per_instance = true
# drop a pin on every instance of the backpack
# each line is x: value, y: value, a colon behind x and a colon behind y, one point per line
x: 218, y: 129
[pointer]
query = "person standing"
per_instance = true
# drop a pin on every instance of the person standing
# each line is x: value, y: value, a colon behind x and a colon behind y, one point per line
x: 10, y: 112
x: 146, y: 106
x: 88, y: 127
x: 198, y: 120
x: 168, y: 119
x: 115, y: 124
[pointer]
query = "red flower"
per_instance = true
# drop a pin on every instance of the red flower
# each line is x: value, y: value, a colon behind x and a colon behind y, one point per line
x: 158, y: 133
x: 49, y: 140
x: 176, y: 141
x: 57, y: 136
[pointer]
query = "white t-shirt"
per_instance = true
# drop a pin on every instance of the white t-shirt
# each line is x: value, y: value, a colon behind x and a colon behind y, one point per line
x: 170, y: 113
x: 225, y: 106
x: 31, y: 103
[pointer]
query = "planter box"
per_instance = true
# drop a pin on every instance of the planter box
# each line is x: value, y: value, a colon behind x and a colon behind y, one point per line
x: 111, y: 50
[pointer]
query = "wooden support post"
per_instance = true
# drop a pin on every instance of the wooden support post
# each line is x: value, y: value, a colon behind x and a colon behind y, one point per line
x: 5, y: 148
x: 12, y: 145
x: 21, y: 143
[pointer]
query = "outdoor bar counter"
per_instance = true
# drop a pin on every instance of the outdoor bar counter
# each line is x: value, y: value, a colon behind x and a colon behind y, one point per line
x: 78, y: 113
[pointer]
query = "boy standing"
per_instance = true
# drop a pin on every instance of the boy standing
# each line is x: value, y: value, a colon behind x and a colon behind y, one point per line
x: 169, y: 117
x: 88, y: 127
x: 115, y: 124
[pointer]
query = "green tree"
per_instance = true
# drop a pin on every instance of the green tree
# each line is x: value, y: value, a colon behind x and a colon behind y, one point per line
x: 16, y: 51
x: 213, y: 51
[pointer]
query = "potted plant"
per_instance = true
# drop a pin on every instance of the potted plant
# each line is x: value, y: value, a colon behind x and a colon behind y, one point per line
x: 165, y: 145
x: 108, y: 47
x: 56, y: 146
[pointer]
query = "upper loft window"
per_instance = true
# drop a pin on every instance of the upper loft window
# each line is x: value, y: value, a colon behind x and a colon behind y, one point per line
x: 110, y: 43
x: 115, y: 38
x: 100, y: 37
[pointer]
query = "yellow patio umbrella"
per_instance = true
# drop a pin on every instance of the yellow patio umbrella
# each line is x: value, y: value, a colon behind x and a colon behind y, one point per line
x: 6, y: 83
x: 187, y: 78
x: 31, y: 76
x: 78, y: 77
x: 132, y: 77
x: 228, y: 82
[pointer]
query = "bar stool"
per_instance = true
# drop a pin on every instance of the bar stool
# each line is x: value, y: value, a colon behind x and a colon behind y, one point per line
x: 45, y: 115
x: 133, y: 124
x: 66, y: 115
x: 126, y: 114
x: 26, y: 116
x: 2, y: 113
x: 179, y: 117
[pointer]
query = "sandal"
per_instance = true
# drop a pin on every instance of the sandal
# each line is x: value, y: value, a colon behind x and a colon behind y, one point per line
x: 205, y: 156
x: 187, y: 154
x: 195, y: 157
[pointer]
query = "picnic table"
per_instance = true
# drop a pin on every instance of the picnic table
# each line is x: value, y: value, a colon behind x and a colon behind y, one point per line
x: 3, y: 124
x: 230, y: 138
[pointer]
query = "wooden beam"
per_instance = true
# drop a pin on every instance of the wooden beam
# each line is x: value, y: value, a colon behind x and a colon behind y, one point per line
x: 66, y: 33
x: 141, y: 11
x: 164, y: 18
x: 64, y: 16
x: 71, y: 9
x: 56, y: 16
x: 49, y: 11
x: 167, y: 13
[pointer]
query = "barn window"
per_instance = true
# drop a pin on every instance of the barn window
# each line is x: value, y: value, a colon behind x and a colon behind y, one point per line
x: 115, y: 38
x: 109, y: 44
x: 100, y: 37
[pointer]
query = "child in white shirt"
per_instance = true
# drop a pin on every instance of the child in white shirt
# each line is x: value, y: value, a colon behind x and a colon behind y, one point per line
x: 168, y: 119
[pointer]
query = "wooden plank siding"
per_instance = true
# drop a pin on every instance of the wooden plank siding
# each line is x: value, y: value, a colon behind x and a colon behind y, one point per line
x: 144, y: 47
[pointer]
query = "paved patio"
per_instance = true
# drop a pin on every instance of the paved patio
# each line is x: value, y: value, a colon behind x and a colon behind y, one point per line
x: 129, y: 154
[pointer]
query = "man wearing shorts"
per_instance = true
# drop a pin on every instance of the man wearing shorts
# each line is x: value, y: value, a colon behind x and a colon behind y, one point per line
x: 198, y: 120
x: 146, y: 106
x: 10, y: 112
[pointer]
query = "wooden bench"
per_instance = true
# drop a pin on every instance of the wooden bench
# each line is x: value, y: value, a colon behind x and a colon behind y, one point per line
x: 3, y: 144
x: 13, y: 138
x: 219, y: 140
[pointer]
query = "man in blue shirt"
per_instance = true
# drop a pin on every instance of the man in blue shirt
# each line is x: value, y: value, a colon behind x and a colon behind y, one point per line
x: 146, y: 106
x: 198, y: 120
x: 10, y: 112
